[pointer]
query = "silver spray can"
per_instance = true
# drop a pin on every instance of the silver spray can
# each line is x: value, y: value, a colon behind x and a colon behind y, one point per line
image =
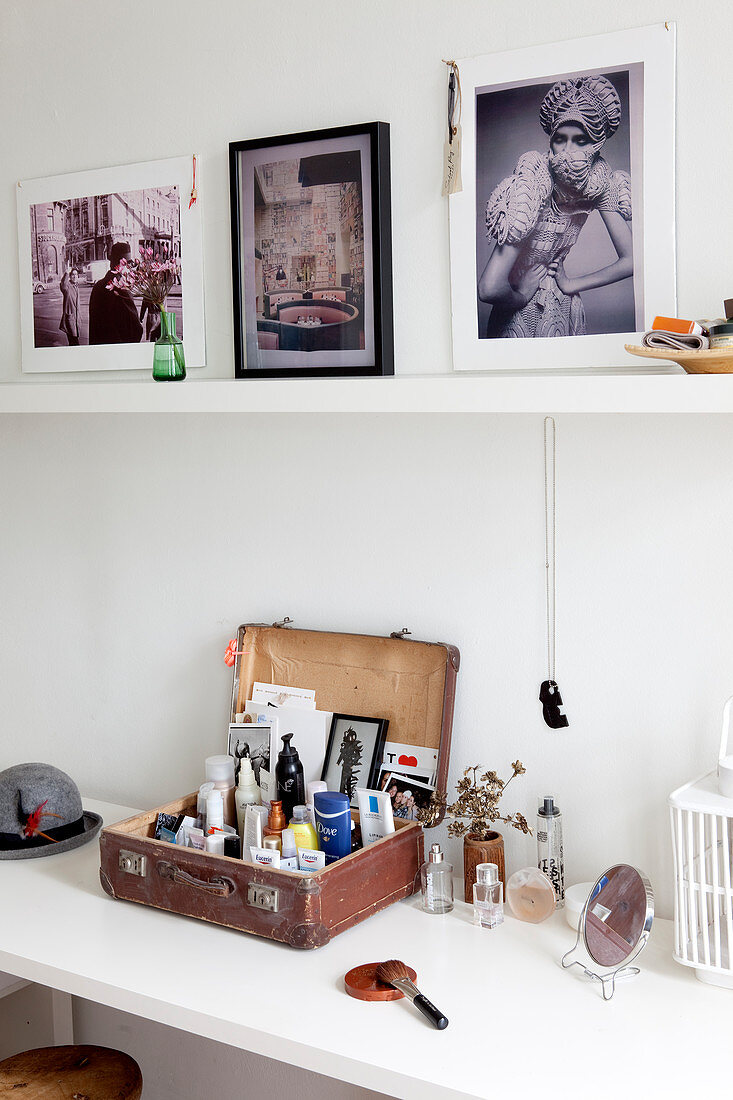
x: 550, y: 856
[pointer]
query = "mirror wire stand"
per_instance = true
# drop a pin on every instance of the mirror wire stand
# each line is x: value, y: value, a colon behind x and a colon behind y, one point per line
x: 608, y: 975
x: 608, y: 981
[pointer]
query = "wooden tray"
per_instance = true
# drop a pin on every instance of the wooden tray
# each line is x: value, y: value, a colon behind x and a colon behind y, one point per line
x: 711, y: 361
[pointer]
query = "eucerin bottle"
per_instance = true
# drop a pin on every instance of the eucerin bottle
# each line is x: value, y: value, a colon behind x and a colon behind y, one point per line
x: 550, y: 857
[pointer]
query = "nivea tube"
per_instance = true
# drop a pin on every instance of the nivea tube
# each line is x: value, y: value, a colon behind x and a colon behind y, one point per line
x: 375, y: 815
x: 333, y: 823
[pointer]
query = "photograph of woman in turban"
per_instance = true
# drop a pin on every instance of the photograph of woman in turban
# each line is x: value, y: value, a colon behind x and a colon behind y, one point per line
x: 534, y: 216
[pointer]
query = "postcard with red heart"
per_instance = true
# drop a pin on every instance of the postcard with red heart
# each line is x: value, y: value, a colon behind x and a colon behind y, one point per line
x: 410, y: 759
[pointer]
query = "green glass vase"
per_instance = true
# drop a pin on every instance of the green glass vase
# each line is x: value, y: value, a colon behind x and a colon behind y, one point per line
x: 169, y: 364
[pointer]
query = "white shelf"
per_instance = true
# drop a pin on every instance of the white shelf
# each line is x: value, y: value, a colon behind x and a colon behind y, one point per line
x: 428, y: 394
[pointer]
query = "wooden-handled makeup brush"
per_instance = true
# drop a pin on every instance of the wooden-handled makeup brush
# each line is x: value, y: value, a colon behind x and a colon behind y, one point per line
x: 395, y: 973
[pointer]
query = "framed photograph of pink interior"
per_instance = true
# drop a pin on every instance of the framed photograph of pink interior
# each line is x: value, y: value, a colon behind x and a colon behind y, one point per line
x: 73, y: 231
x: 562, y: 240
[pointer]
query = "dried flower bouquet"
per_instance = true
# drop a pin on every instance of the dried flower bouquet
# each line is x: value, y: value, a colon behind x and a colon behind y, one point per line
x: 476, y: 810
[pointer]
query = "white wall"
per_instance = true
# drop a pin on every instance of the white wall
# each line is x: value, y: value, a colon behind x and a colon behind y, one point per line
x: 85, y: 86
x: 130, y: 549
x: 131, y: 553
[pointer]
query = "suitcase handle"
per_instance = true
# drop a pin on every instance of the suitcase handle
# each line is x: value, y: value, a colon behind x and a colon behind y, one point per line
x: 219, y: 886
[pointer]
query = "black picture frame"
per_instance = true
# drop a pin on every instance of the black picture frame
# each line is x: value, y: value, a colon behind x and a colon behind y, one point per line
x: 335, y: 247
x: 364, y: 727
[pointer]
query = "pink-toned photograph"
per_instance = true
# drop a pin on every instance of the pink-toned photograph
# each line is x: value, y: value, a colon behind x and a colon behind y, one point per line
x: 311, y: 252
x: 79, y: 248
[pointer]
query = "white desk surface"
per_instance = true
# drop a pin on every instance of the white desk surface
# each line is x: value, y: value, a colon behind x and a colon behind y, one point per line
x: 516, y: 1018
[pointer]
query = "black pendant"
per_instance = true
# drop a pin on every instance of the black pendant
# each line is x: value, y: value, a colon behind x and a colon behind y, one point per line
x: 551, y: 700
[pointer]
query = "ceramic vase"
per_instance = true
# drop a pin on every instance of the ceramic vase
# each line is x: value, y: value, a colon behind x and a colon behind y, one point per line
x: 169, y: 364
x: 475, y: 851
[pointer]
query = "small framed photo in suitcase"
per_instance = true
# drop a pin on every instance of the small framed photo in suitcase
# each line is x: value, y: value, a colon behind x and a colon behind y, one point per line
x: 354, y: 753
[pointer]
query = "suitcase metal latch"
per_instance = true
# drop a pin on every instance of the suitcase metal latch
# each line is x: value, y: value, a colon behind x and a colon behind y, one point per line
x: 262, y: 897
x: 133, y: 863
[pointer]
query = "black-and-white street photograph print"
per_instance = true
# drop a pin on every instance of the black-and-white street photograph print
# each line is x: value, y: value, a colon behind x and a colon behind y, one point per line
x: 102, y: 254
x: 78, y: 245
x: 555, y: 211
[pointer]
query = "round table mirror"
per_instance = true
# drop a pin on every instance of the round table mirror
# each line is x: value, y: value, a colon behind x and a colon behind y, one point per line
x: 615, y: 923
x: 618, y: 912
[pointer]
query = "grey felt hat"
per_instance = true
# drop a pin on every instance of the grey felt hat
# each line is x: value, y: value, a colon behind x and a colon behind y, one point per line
x: 41, y: 813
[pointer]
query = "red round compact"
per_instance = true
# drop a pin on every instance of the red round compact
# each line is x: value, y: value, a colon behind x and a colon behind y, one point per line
x: 362, y: 983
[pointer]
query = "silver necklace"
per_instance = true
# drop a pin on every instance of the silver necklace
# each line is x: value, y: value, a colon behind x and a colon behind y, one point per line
x: 550, y: 696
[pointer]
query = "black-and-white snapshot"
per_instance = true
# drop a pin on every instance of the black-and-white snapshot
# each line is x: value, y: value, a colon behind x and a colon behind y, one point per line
x: 77, y: 245
x: 252, y: 741
x: 555, y: 209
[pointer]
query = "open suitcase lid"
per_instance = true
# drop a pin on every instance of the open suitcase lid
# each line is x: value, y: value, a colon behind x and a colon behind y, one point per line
x: 410, y: 683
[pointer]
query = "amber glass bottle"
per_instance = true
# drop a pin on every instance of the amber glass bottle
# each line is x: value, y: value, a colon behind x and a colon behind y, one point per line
x: 276, y: 822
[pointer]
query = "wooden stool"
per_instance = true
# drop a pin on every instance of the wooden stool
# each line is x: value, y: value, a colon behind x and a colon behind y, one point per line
x: 71, y: 1073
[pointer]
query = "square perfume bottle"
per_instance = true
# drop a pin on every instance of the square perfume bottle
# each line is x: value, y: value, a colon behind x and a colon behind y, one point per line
x: 488, y: 901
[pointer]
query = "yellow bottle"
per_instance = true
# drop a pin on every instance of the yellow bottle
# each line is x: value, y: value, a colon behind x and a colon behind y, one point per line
x: 305, y: 834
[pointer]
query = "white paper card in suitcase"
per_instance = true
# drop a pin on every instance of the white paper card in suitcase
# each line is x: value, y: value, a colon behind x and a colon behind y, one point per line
x: 310, y: 733
x: 284, y: 696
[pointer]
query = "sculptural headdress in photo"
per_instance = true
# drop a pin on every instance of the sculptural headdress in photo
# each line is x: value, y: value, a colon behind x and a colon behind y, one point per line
x: 588, y: 101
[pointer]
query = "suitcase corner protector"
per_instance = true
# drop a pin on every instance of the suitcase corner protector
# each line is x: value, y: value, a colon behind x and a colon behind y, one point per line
x: 311, y: 887
x: 308, y: 936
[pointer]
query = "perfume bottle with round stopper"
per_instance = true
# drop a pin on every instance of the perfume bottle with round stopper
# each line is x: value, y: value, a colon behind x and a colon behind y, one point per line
x: 436, y: 880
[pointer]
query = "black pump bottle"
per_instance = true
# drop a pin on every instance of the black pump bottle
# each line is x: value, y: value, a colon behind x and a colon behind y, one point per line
x: 289, y: 777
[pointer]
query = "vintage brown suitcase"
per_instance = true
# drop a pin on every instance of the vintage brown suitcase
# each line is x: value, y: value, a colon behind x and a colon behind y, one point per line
x: 410, y: 683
